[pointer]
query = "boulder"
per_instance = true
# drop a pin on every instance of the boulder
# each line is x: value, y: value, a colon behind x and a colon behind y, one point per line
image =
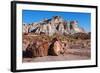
x: 37, y: 49
x: 55, y: 48
x: 41, y: 50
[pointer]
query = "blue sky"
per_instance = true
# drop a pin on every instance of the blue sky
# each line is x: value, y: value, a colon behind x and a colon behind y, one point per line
x: 84, y: 19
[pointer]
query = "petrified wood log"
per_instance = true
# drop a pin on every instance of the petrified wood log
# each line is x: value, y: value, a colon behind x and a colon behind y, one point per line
x: 55, y: 48
x: 41, y: 50
x: 27, y: 53
x: 37, y: 49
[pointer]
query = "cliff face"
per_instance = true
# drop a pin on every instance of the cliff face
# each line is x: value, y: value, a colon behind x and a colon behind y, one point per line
x: 55, y: 25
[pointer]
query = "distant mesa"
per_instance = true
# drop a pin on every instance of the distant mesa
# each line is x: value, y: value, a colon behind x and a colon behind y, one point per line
x: 54, y: 25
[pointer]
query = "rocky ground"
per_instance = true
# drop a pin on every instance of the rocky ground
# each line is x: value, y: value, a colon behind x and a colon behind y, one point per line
x: 73, y: 54
x: 76, y: 49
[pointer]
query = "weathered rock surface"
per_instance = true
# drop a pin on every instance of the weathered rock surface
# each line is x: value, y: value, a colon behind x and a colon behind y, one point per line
x: 54, y: 25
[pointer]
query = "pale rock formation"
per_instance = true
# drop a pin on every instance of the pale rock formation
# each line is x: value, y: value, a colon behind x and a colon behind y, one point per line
x: 52, y: 26
x: 75, y: 28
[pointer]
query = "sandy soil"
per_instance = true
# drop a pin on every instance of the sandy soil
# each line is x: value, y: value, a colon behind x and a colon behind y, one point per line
x: 71, y: 54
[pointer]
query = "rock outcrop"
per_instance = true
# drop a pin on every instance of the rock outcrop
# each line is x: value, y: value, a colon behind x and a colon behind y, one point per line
x: 54, y: 25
